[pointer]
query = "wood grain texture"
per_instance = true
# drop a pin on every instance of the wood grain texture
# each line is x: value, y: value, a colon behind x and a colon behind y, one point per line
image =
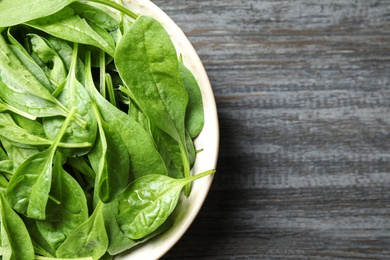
x: 302, y: 89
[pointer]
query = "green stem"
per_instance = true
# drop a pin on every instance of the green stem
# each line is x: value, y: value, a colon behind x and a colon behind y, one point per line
x: 75, y: 145
x: 116, y: 6
x: 20, y: 112
x: 110, y: 89
x: 56, y: 201
x: 61, y: 133
x: 102, y: 75
x: 186, y: 168
x: 80, y: 121
x: 198, y: 176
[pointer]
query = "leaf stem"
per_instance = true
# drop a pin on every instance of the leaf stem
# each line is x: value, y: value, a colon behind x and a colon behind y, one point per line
x: 110, y: 89
x: 61, y: 133
x: 198, y: 176
x: 102, y: 70
x: 186, y: 169
x: 18, y: 111
x: 56, y: 201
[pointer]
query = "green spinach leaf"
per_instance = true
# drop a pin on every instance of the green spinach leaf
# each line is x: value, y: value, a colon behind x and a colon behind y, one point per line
x: 64, y: 217
x: 29, y: 62
x: 20, y: 137
x: 110, y: 160
x: 194, y: 120
x: 29, y: 187
x: 13, y: 12
x: 118, y: 241
x: 48, y: 59
x: 20, y: 89
x: 88, y: 240
x: 148, y: 201
x: 151, y: 73
x: 74, y: 94
x: 66, y: 25
x: 144, y: 157
x: 15, y: 240
x: 103, y: 17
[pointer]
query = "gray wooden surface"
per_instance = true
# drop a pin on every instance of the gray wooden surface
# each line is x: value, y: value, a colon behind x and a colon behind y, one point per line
x: 303, y: 94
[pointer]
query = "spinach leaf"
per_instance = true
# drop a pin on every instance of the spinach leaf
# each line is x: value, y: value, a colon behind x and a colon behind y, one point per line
x: 3, y: 184
x: 20, y: 89
x: 80, y: 164
x: 65, y: 51
x: 103, y: 17
x: 118, y: 7
x: 34, y: 127
x: 48, y: 59
x: 144, y: 158
x: 110, y: 160
x: 29, y: 187
x: 66, y: 25
x: 148, y: 201
x: 15, y: 240
x: 17, y: 155
x: 7, y: 168
x: 118, y: 241
x: 194, y: 114
x: 74, y: 94
x: 63, y: 218
x: 135, y: 112
x: 89, y: 239
x: 39, y: 242
x: 151, y: 73
x: 20, y: 137
x: 34, y: 68
x: 170, y: 152
x: 13, y: 12
x: 28, y: 61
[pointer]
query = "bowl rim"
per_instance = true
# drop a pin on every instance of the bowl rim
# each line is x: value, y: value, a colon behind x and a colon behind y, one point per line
x: 207, y: 140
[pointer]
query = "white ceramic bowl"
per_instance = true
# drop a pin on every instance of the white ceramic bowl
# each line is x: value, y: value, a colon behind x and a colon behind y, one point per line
x: 208, y: 141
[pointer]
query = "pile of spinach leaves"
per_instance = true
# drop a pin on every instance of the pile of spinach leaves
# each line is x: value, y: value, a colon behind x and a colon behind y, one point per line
x: 98, y: 115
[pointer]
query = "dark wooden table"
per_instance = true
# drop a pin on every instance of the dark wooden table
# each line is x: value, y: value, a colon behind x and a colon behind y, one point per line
x: 303, y: 94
